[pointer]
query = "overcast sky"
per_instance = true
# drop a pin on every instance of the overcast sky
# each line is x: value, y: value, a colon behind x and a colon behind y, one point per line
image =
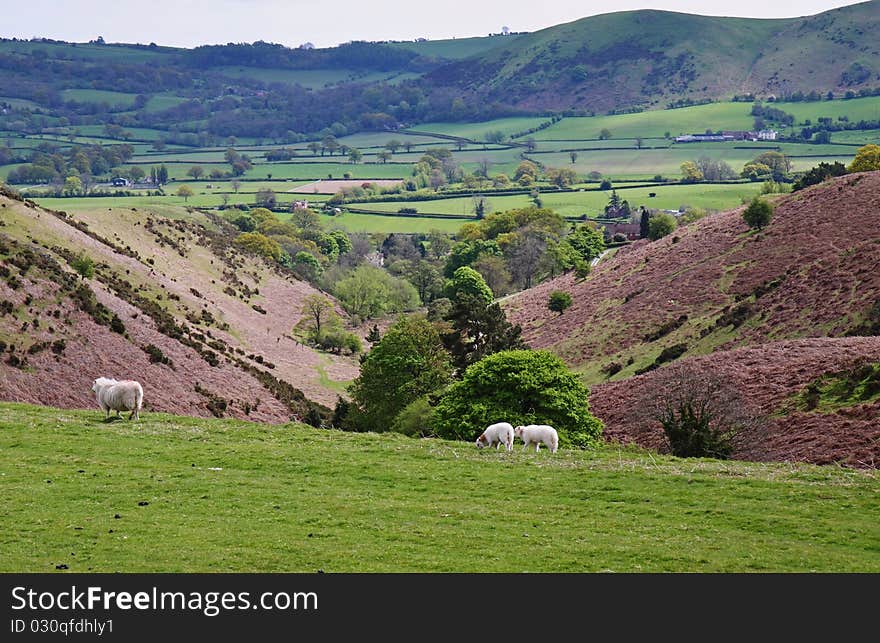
x: 187, y: 23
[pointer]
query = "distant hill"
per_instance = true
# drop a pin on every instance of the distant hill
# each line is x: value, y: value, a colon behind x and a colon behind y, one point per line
x: 205, y: 328
x: 651, y: 58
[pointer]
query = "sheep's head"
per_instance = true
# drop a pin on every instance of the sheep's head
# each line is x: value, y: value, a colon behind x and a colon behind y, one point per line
x: 482, y: 441
x: 517, y: 431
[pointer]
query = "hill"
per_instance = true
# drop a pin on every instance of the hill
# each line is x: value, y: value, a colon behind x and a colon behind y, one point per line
x: 176, y: 494
x: 205, y: 328
x: 714, y: 286
x: 650, y: 58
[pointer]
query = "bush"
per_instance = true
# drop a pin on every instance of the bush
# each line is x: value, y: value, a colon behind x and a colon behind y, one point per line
x: 84, y: 265
x: 661, y: 225
x: 416, y: 419
x: 520, y: 387
x: 559, y: 301
x: 758, y: 214
x: 700, y: 411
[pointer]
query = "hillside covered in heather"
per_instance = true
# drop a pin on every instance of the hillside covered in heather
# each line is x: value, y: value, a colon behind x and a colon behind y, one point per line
x: 207, y: 329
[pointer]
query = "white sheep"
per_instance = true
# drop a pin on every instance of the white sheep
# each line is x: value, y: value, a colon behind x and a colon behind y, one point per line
x: 113, y: 395
x: 496, y: 435
x: 536, y: 434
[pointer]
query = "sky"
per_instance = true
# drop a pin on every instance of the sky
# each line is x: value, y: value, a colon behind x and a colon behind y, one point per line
x: 325, y: 23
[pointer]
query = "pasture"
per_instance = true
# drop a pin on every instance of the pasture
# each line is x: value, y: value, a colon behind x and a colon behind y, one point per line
x: 176, y: 494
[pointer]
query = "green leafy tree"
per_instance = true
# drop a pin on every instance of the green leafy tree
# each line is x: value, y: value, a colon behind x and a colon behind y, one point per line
x: 779, y: 164
x: 72, y: 186
x: 559, y: 301
x: 561, y: 177
x: 407, y: 363
x: 321, y: 316
x: 523, y: 387
x: 468, y: 282
x: 369, y: 292
x: 661, y: 225
x: 196, y: 171
x: 185, y: 191
x: 259, y: 244
x: 604, y: 134
x: 867, y: 159
x: 355, y: 155
x: 587, y: 242
x: 690, y: 172
x: 758, y: 214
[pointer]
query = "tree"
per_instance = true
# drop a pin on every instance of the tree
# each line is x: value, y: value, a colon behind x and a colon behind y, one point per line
x: 755, y: 171
x: 758, y: 214
x: 644, y: 223
x: 196, y: 171
x: 185, y: 191
x: 72, y: 186
x: 385, y: 155
x: 690, y: 172
x: 494, y: 270
x: 84, y: 265
x: 425, y: 277
x: 587, y: 242
x: 321, y: 315
x: 559, y: 301
x: 779, y: 164
x: 818, y: 174
x: 306, y: 265
x: 605, y: 185
x: 314, y: 146
x: 479, y: 328
x: 523, y: 387
x: 526, y: 255
x: 700, y: 411
x: 330, y: 144
x: 468, y: 282
x: 407, y: 363
x: 573, y: 156
x: 605, y: 134
x: 369, y: 292
x: 393, y: 145
x: 136, y: 174
x: 561, y: 177
x: 531, y: 144
x: 355, y: 155
x: 639, y: 143
x: 661, y: 225
x: 867, y: 159
x: 259, y: 244
x: 266, y: 198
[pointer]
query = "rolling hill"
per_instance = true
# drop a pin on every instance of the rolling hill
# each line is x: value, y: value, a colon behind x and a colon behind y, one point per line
x: 205, y: 328
x: 787, y: 297
x: 650, y: 58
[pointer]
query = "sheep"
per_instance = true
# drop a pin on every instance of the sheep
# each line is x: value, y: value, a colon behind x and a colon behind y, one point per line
x: 112, y: 395
x: 536, y: 434
x: 496, y: 434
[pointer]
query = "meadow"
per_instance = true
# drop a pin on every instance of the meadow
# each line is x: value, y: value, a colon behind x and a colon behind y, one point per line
x: 175, y: 494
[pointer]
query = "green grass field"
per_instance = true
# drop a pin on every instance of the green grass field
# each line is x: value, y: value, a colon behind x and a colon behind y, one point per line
x: 172, y: 494
x: 456, y: 48
x: 354, y: 222
x: 314, y: 78
x: 476, y: 131
x: 855, y: 109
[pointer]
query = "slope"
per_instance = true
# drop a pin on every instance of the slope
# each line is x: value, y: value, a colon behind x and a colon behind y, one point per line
x: 178, y: 494
x: 218, y: 321
x: 650, y: 58
x: 715, y: 284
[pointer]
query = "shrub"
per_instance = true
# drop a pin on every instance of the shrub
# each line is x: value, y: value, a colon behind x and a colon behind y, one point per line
x: 84, y: 266
x: 700, y: 411
x: 758, y: 214
x: 559, y: 301
x: 521, y: 387
x: 416, y: 419
x: 661, y: 225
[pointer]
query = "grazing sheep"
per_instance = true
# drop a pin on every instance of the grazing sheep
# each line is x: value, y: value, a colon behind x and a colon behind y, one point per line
x: 536, y: 434
x: 496, y: 435
x: 112, y: 395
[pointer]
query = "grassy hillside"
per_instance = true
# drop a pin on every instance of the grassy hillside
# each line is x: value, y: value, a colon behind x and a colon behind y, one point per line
x: 653, y: 57
x: 176, y: 494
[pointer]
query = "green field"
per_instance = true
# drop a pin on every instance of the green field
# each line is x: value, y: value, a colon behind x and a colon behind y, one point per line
x: 172, y: 494
x: 855, y: 109
x: 592, y: 202
x: 355, y: 222
x: 476, y: 131
x: 686, y: 120
x: 85, y: 51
